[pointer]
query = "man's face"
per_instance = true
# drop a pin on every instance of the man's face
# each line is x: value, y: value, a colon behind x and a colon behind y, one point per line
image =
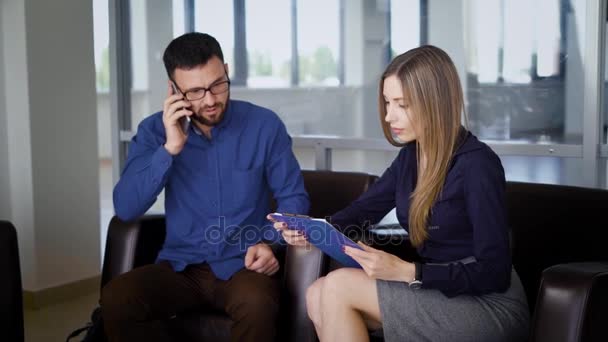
x: 208, y: 111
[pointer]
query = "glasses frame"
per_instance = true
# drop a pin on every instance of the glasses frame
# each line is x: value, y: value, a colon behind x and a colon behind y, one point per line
x: 205, y: 90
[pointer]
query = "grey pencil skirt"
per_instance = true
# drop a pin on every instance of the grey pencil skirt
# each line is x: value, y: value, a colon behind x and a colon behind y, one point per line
x: 428, y: 315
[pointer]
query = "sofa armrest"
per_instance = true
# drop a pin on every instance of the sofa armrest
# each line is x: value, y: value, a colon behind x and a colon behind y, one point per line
x: 131, y: 244
x: 572, y: 303
x: 11, y: 298
x: 302, y: 267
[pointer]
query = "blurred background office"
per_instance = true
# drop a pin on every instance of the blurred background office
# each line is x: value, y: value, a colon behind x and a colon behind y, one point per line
x: 78, y: 76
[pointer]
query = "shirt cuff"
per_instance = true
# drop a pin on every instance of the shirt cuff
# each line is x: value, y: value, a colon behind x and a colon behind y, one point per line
x: 435, y: 276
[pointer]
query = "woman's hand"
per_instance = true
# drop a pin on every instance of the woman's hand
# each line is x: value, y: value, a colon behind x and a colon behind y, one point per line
x: 292, y: 236
x: 381, y: 265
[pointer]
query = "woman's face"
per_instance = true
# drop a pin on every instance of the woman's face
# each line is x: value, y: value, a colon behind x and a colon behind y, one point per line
x: 398, y: 114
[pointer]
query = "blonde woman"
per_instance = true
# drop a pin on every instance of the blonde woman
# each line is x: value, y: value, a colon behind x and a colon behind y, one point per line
x: 449, y: 191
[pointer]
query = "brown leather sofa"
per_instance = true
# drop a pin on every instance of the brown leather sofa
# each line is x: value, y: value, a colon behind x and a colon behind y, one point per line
x: 133, y: 244
x: 11, y: 302
x: 558, y: 234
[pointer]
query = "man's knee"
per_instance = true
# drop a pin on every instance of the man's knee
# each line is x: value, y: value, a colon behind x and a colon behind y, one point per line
x: 120, y: 301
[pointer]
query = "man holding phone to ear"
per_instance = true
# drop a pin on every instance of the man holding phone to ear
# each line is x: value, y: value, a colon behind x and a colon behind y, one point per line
x: 218, y: 174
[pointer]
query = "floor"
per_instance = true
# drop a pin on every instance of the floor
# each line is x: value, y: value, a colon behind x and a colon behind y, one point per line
x: 56, y: 322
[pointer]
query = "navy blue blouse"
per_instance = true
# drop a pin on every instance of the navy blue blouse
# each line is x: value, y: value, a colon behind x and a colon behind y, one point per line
x: 468, y: 221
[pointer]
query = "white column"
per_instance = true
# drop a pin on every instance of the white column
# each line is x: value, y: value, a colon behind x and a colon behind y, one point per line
x: 49, y: 108
x: 575, y: 78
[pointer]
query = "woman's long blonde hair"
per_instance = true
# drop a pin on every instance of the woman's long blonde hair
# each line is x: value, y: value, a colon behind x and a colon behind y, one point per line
x: 432, y: 90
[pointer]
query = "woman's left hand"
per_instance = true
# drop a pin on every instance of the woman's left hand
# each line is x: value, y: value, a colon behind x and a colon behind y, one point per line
x: 381, y: 265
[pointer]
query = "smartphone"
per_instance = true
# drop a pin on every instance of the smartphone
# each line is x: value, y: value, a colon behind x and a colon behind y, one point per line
x: 184, y: 120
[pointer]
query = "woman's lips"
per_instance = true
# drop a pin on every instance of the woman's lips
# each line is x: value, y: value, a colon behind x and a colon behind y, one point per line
x: 396, y: 131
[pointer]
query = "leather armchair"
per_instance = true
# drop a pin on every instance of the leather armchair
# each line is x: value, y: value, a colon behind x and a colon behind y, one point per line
x: 558, y: 246
x: 558, y: 240
x: 11, y: 300
x: 133, y: 244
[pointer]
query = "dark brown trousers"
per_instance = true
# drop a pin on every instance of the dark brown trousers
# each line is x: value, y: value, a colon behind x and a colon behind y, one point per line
x: 137, y: 305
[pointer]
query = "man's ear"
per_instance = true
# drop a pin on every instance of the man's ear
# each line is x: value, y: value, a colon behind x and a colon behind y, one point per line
x: 227, y: 69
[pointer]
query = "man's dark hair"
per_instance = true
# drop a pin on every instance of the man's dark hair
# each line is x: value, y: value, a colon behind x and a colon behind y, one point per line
x: 190, y: 50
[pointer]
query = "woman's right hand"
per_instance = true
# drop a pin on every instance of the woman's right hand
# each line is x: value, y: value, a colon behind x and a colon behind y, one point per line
x: 174, y: 108
x: 292, y: 236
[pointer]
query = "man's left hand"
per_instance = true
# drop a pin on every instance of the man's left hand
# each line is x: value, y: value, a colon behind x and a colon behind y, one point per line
x: 259, y: 258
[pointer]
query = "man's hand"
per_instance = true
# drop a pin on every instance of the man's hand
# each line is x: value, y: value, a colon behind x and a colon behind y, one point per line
x: 260, y: 259
x: 175, y: 108
x: 381, y: 265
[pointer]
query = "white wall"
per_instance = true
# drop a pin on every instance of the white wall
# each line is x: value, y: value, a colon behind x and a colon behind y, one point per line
x: 50, y: 113
x: 5, y: 207
x: 16, y: 109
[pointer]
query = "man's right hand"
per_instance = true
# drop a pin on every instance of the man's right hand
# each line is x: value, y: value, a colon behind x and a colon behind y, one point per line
x: 174, y: 108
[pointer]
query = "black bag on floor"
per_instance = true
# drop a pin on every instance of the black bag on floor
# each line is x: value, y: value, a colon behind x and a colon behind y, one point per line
x: 93, y: 329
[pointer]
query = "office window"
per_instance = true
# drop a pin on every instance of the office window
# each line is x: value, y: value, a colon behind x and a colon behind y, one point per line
x: 405, y: 26
x: 101, y: 38
x: 217, y: 19
x: 520, y: 63
x: 268, y: 27
x: 318, y: 42
x: 148, y: 83
x: 511, y: 43
x: 519, y: 84
x: 179, y: 18
x: 604, y: 121
x: 548, y: 38
x: 549, y: 170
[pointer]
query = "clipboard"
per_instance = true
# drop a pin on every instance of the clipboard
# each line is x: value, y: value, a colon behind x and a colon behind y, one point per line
x: 322, y: 235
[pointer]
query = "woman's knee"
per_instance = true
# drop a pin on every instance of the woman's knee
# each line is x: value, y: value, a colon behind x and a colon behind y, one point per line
x: 313, y: 299
x: 337, y: 280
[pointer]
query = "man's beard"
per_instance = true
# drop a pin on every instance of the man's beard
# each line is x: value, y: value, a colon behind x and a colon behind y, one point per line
x: 200, y: 118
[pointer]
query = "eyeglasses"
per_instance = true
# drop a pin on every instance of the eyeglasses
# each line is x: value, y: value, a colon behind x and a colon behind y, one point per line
x: 215, y: 89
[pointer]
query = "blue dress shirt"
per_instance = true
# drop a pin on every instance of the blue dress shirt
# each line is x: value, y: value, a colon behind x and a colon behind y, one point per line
x: 217, y: 190
x: 468, y: 221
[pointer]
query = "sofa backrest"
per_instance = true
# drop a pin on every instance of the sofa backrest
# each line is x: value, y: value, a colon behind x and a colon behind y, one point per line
x: 332, y: 191
x: 554, y: 224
